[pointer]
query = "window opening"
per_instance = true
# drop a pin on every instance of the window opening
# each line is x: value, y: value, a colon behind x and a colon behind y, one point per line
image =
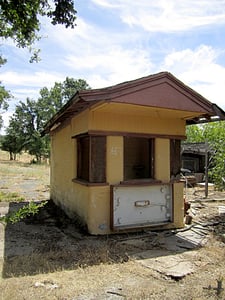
x: 138, y: 158
x: 91, y: 152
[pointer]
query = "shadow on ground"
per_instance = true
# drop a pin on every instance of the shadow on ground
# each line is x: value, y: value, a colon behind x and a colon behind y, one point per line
x: 50, y: 241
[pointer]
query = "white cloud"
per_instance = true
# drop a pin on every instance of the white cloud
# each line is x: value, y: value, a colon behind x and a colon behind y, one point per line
x: 106, y: 3
x: 167, y: 16
x: 191, y: 59
x: 27, y: 84
x: 73, y: 39
x: 5, y: 116
x: 30, y: 79
x: 100, y: 57
x: 199, y: 69
x: 114, y: 64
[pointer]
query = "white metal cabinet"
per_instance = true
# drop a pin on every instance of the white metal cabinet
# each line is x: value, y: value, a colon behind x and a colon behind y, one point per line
x: 138, y: 206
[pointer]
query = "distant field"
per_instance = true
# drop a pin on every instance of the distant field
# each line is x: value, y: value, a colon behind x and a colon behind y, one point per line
x: 27, y: 180
x: 24, y: 157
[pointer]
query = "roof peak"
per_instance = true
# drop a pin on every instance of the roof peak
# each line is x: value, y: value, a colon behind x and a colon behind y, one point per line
x: 160, y: 90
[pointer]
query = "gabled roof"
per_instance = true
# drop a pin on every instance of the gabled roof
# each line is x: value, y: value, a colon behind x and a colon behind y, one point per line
x: 196, y: 148
x: 162, y: 90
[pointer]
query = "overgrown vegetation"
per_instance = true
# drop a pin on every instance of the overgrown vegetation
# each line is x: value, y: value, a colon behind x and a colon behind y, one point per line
x: 30, y: 209
x: 214, y: 134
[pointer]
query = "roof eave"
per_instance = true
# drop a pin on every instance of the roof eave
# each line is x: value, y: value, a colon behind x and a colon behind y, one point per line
x: 217, y: 115
x: 55, y: 117
x: 87, y: 98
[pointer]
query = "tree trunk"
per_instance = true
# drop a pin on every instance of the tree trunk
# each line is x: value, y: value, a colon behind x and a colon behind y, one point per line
x: 11, y: 155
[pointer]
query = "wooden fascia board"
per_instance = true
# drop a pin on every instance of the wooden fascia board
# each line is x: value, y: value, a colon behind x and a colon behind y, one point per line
x: 111, y: 94
x: 115, y: 92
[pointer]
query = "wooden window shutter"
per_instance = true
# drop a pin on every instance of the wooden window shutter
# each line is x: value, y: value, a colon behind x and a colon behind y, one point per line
x: 97, y: 172
x: 83, y: 158
x: 175, y: 157
x: 152, y: 157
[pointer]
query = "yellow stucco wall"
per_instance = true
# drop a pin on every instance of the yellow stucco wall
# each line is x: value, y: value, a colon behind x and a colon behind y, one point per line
x: 114, y: 159
x: 99, y: 210
x: 61, y: 152
x: 80, y: 123
x: 135, y: 121
x: 72, y: 197
x: 92, y: 203
x: 178, y: 205
x: 162, y: 159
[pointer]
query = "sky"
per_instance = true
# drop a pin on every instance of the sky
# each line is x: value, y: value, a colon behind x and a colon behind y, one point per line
x: 120, y: 40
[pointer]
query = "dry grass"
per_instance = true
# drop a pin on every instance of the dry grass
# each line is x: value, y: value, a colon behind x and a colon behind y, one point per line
x: 24, y: 157
x: 119, y: 281
x: 55, y: 259
x: 10, y: 197
x: 22, y: 178
x: 22, y: 167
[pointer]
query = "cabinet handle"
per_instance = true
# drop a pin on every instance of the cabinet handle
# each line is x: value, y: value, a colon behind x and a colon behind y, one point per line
x: 142, y: 203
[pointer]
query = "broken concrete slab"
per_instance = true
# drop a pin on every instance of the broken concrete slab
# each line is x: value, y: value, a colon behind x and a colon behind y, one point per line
x: 189, y: 238
x: 2, y: 238
x: 221, y: 209
x: 222, y: 237
x: 4, y: 208
x: 171, y: 264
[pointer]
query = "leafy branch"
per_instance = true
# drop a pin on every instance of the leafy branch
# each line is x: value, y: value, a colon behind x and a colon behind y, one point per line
x: 25, y: 211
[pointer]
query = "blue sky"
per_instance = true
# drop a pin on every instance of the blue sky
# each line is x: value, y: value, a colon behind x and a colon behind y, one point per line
x: 120, y: 40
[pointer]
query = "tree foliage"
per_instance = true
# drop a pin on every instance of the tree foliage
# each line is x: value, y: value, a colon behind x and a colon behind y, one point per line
x: 4, y: 95
x: 22, y: 133
x: 10, y: 143
x: 214, y: 134
x: 29, y: 118
x: 54, y: 98
x: 20, y: 20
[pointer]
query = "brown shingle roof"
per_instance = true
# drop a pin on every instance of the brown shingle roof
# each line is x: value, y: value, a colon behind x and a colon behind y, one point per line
x: 161, y: 90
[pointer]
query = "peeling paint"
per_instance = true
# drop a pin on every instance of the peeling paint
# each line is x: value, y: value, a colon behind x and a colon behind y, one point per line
x: 102, y: 226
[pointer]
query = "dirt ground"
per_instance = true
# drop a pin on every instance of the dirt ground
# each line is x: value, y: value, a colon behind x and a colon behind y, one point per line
x: 49, y: 257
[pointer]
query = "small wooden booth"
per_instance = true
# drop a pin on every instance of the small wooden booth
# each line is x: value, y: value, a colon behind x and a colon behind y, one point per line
x: 115, y: 153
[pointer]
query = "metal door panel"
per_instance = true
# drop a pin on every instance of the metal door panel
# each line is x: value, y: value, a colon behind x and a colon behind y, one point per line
x: 135, y: 206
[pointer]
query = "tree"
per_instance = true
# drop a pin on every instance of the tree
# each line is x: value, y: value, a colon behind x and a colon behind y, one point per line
x: 4, y: 95
x: 20, y: 20
x: 53, y: 99
x: 23, y: 132
x: 18, y: 130
x: 194, y: 134
x: 29, y: 118
x: 214, y: 134
x: 10, y: 144
x: 13, y: 141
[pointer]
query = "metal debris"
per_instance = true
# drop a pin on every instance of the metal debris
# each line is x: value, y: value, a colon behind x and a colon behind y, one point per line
x: 49, y: 285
